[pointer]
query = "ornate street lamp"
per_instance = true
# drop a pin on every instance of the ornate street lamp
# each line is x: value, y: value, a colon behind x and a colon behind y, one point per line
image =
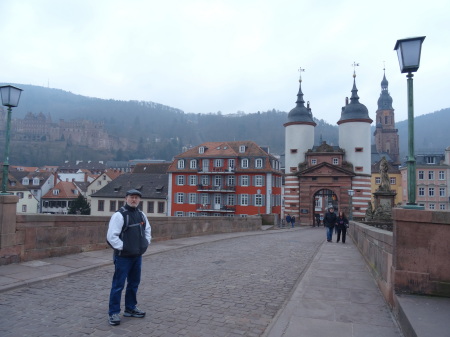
x: 10, y: 98
x: 351, y: 193
x: 408, y: 52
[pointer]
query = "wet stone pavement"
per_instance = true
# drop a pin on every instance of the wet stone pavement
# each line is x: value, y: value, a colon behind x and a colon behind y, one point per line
x: 228, y: 288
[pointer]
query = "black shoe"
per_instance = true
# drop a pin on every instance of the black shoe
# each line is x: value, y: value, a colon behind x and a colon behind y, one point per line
x: 134, y: 313
x: 114, y: 319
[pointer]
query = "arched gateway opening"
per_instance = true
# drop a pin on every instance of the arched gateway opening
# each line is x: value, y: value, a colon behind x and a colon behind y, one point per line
x: 322, y: 200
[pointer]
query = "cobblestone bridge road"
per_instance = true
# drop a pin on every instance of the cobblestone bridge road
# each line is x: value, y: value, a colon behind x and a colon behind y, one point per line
x: 232, y: 287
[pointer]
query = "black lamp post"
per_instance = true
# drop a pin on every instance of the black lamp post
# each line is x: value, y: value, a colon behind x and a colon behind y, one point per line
x: 10, y: 98
x: 351, y: 193
x: 408, y: 52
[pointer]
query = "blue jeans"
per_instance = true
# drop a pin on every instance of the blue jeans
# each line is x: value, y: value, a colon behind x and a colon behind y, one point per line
x: 129, y: 269
x: 330, y: 233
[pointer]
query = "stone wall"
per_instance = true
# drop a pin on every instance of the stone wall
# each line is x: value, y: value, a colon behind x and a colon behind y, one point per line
x: 422, y: 252
x: 376, y: 246
x: 37, y: 236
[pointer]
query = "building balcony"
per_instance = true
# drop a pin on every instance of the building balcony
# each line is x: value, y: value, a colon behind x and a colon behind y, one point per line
x: 216, y: 209
x: 216, y: 189
x: 216, y: 170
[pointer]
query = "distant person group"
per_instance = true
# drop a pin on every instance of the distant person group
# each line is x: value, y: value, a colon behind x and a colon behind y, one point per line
x: 337, y: 223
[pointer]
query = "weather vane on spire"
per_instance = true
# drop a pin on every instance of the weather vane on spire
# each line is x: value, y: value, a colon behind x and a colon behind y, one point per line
x: 354, y: 65
x: 300, y: 70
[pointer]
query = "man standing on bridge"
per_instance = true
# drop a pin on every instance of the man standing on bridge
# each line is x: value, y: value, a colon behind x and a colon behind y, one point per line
x: 129, y: 233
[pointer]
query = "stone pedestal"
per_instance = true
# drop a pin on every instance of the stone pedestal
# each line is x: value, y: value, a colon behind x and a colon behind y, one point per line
x: 384, y: 198
x: 8, y: 204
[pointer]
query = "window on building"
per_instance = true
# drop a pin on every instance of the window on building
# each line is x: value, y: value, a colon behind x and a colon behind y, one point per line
x: 193, y: 164
x: 431, y: 175
x: 335, y: 161
x: 244, y: 163
x: 442, y: 191
x: 201, y: 149
x: 358, y: 168
x: 431, y: 206
x: 99, y: 182
x: 120, y: 203
x: 181, y: 163
x: 442, y: 207
x: 150, y: 207
x: 421, y: 175
x: 313, y: 161
x: 358, y: 149
x: 386, y: 119
x: 241, y: 148
x: 441, y: 175
x: 205, y: 180
x: 393, y: 181
x: 161, y: 207
x: 218, y: 162
x: 431, y: 191
x: 192, y: 180
x: 101, y: 205
x: 192, y: 214
x: 421, y: 191
x: 24, y: 208
x: 180, y: 180
x: 30, y: 196
x: 180, y: 198
x: 244, y: 199
x: 259, y: 181
x: 259, y: 163
x: 25, y: 181
x: 231, y: 180
x: 377, y: 180
x: 244, y: 180
x: 204, y: 199
x: 258, y: 200
x: 293, y: 151
x: 178, y: 213
x: 230, y: 199
x: 217, y: 181
x: 231, y: 163
x: 112, y: 206
x: 55, y: 191
x: 192, y: 198
x: 430, y: 160
x: 35, y: 181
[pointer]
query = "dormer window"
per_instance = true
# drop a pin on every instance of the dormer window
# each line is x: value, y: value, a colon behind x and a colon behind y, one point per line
x: 335, y: 161
x: 75, y: 192
x: 181, y: 163
x: 25, y: 181
x: 35, y: 181
x: 201, y: 149
x: 55, y: 192
x: 313, y: 161
x: 259, y: 163
x: 241, y: 148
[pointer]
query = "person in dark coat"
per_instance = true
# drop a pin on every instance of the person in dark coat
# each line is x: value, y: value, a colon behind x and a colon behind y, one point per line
x: 288, y: 220
x: 329, y: 221
x: 293, y: 221
x: 342, y: 225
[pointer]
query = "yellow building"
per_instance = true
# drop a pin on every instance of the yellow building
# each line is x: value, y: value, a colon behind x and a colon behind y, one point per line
x: 395, y: 179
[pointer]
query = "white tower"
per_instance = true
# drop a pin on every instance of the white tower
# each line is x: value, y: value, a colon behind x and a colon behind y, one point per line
x: 354, y: 138
x: 299, y: 138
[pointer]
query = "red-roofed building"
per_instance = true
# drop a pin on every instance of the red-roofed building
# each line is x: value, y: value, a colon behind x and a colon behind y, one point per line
x: 60, y: 198
x: 236, y: 178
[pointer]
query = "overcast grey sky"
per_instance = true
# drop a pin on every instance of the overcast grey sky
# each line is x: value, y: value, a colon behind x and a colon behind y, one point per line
x: 238, y: 55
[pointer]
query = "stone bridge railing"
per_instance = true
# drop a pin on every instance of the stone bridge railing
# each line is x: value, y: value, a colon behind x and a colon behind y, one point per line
x: 37, y: 236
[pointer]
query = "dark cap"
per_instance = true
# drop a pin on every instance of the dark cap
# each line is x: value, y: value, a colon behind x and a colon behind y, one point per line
x: 133, y: 192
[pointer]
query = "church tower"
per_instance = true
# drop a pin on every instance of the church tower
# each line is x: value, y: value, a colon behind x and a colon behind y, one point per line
x: 386, y: 135
x: 299, y: 138
x: 354, y: 138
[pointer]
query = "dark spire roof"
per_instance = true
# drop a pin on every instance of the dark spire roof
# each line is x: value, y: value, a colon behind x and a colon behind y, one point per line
x: 300, y: 113
x: 385, y: 100
x: 355, y: 109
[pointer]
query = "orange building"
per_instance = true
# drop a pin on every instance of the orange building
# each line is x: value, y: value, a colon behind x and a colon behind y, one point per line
x: 236, y: 178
